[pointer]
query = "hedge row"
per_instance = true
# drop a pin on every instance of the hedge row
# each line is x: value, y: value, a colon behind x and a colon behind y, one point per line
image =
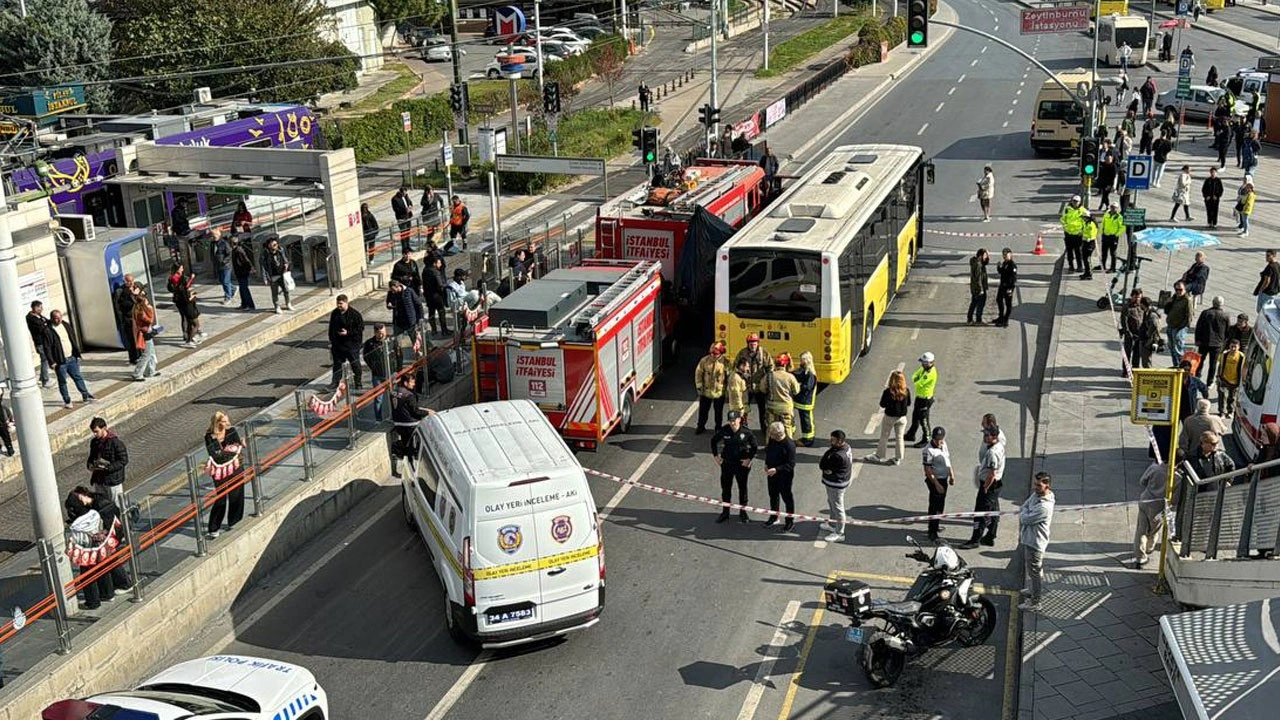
x: 381, y: 134
x: 867, y: 50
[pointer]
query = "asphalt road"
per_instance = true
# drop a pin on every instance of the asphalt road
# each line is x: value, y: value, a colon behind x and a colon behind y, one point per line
x: 717, y: 621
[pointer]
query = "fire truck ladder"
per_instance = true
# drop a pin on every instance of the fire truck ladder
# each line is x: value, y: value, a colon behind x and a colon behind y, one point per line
x: 590, y: 313
x: 709, y: 191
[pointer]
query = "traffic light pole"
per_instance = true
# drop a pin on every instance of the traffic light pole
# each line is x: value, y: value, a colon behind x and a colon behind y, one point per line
x: 1028, y: 57
x: 712, y: 130
x: 537, y: 31
x: 457, y: 66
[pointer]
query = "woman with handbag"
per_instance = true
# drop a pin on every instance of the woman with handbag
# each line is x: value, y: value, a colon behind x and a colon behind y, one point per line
x: 275, y: 270
x: 1182, y: 194
x: 144, y: 333
x: 223, y: 444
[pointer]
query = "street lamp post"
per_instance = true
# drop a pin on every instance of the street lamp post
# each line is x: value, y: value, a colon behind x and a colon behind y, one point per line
x: 715, y: 86
x: 28, y: 411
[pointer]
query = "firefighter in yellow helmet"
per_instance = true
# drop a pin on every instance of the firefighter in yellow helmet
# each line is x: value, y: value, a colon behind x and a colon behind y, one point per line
x: 759, y: 365
x: 780, y: 388
x: 710, y: 379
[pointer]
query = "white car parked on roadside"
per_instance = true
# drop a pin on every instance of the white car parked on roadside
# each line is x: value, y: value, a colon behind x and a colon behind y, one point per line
x: 225, y: 686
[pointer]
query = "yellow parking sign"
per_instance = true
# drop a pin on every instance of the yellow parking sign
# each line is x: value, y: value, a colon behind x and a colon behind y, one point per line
x: 1154, y: 400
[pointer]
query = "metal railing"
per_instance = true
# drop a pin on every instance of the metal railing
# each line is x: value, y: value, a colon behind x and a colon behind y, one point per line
x: 164, y: 519
x: 1222, y: 516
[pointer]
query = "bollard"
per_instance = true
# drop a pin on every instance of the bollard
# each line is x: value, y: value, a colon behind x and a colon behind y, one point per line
x: 193, y: 486
x: 390, y: 375
x: 134, y: 573
x: 351, y: 406
x: 255, y: 482
x: 306, y: 435
x: 47, y: 562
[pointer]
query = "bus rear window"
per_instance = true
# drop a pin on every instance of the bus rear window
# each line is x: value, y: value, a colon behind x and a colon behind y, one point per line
x: 1063, y: 110
x: 775, y: 285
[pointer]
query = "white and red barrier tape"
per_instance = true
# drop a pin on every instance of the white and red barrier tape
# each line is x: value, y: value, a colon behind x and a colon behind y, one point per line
x: 954, y: 233
x: 848, y: 521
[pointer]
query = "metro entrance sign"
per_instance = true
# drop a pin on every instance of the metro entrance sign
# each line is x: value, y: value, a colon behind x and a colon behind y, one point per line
x: 1072, y: 18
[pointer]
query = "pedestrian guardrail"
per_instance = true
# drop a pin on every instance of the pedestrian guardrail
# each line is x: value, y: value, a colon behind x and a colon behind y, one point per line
x: 164, y: 519
x: 1236, y: 514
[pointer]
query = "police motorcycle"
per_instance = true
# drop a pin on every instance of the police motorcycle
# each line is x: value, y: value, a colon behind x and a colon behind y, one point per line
x: 940, y: 607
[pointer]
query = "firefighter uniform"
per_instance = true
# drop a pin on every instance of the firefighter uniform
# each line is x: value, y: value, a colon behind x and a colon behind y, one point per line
x: 710, y: 379
x: 736, y: 394
x: 759, y: 364
x: 780, y: 387
x: 804, y: 401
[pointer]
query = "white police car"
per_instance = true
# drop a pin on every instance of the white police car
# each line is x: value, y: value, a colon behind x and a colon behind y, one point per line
x: 225, y: 687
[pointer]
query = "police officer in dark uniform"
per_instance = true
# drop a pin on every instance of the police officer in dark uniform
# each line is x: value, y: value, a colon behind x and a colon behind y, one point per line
x: 405, y: 413
x: 734, y: 447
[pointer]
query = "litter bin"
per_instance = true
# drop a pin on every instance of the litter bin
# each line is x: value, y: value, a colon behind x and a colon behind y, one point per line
x: 296, y: 254
x: 315, y: 264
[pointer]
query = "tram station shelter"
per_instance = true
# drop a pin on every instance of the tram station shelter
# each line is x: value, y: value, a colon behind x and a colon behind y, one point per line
x: 328, y: 176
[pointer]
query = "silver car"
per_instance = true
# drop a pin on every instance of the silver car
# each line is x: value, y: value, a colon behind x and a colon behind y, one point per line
x: 438, y: 50
x: 1201, y: 104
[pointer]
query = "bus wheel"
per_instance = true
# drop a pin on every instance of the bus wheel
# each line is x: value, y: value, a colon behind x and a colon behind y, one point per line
x: 866, y: 335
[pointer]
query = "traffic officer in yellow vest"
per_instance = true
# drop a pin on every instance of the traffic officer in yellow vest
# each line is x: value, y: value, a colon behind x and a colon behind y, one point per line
x: 736, y: 390
x: 1072, y: 229
x: 1089, y: 242
x: 759, y: 364
x: 780, y: 388
x: 805, y: 398
x: 1112, y: 229
x: 710, y: 379
x: 925, y: 379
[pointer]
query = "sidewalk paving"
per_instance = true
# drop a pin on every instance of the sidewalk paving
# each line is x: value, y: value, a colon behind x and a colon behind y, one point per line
x: 1090, y: 651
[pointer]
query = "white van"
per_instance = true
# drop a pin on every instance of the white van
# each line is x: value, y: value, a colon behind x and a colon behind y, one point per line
x: 509, y: 521
x: 1258, y: 402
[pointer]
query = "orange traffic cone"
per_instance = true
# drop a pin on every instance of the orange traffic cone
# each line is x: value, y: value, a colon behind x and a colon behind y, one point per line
x: 1039, y: 249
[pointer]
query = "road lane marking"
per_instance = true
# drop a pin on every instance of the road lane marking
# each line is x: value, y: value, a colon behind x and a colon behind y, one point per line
x: 1019, y: 92
x: 974, y: 62
x: 933, y: 291
x: 922, y: 129
x: 756, y: 692
x: 915, y: 333
x: 1010, y: 111
x: 469, y: 676
x: 983, y: 50
x: 648, y: 461
x: 1015, y: 100
x: 951, y: 91
x: 962, y: 77
x: 805, y: 649
x: 1006, y: 124
x: 944, y: 102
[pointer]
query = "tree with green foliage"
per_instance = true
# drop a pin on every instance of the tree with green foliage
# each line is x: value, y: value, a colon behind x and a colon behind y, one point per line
x: 420, y: 13
x: 59, y: 41
x: 272, y: 50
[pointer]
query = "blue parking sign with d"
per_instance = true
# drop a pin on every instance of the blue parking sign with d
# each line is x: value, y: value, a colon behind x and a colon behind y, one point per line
x: 1138, y: 173
x: 1184, y: 7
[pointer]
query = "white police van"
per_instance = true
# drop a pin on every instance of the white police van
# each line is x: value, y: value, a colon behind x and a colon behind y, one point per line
x: 230, y: 687
x: 509, y: 521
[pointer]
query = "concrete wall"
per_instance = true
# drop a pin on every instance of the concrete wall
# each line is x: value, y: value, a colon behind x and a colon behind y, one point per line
x: 1214, y: 583
x: 120, y: 648
x: 37, y: 256
x: 338, y: 173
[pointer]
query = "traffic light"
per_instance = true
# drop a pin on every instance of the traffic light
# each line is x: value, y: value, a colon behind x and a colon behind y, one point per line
x: 551, y: 98
x: 649, y: 145
x: 708, y: 115
x: 1089, y: 157
x: 457, y: 98
x: 637, y: 139
x: 918, y: 23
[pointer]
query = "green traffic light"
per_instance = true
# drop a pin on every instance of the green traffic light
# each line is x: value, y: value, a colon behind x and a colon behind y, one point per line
x: 1088, y: 169
x: 917, y: 37
x: 650, y: 157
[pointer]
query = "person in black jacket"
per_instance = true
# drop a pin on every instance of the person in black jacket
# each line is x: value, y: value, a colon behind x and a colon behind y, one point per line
x: 1211, y: 337
x: 5, y: 439
x: 734, y: 447
x: 242, y: 266
x: 406, y: 308
x: 122, y: 305
x: 405, y: 413
x: 346, y: 336
x: 368, y: 224
x: 780, y: 469
x: 434, y: 282
x: 85, y: 498
x: 1008, y: 272
x: 1212, y: 191
x: 402, y: 208
x: 38, y: 326
x: 275, y: 265
x: 182, y: 285
x: 377, y: 355
x: 63, y: 352
x: 222, y: 442
x: 406, y: 271
x: 107, y: 460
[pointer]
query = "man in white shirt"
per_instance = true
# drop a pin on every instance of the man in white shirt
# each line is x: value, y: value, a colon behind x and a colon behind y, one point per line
x: 989, y: 475
x: 1125, y: 53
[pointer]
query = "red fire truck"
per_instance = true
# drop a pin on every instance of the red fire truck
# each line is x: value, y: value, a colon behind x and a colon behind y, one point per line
x: 579, y: 342
x: 653, y: 224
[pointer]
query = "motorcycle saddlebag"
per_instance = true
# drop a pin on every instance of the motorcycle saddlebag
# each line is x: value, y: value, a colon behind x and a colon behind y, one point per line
x: 848, y: 597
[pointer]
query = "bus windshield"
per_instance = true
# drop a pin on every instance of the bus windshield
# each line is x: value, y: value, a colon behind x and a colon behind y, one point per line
x: 1135, y: 36
x: 770, y: 285
x: 1064, y: 110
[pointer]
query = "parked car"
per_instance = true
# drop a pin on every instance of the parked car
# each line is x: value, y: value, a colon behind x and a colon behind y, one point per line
x: 574, y: 42
x: 437, y: 49
x: 1201, y: 104
x: 553, y: 48
x: 415, y: 35
x: 493, y: 70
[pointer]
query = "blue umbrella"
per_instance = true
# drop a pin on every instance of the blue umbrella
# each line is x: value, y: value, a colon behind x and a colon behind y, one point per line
x: 1172, y: 239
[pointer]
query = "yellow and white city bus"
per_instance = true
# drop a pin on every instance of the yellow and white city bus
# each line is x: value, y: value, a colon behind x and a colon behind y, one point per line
x: 818, y: 269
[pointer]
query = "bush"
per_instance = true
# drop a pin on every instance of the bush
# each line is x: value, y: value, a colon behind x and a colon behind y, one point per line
x: 588, y: 133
